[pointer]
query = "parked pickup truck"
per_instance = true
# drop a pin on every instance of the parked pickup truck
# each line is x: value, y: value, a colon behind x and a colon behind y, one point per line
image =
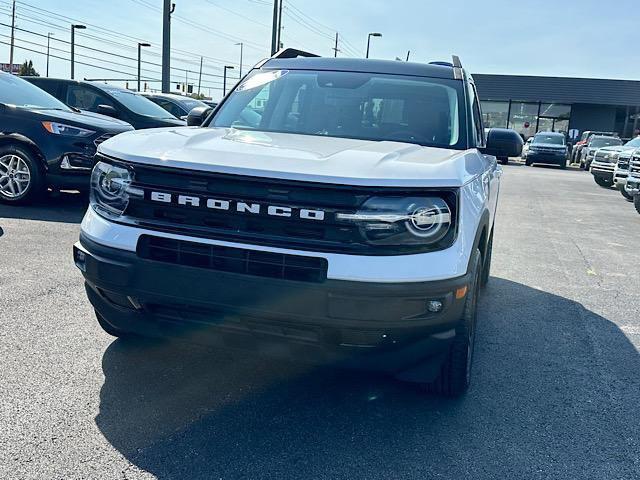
x: 605, y: 163
x: 632, y: 186
x: 351, y: 225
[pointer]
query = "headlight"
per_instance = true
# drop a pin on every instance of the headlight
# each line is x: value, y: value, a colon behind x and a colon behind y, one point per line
x: 66, y: 130
x: 111, y: 189
x: 402, y: 221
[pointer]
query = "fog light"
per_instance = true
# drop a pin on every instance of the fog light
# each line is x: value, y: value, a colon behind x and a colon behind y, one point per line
x: 80, y: 259
x: 434, y: 306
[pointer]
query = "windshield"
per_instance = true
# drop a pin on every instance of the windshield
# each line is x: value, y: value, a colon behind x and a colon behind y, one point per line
x: 19, y: 92
x: 633, y: 143
x: 139, y: 104
x: 426, y: 111
x: 604, y: 142
x: 549, y: 139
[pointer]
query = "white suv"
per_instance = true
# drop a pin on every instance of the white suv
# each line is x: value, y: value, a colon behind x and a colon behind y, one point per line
x: 331, y: 210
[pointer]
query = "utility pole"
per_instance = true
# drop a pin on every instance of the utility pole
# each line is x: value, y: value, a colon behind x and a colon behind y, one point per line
x: 166, y: 45
x: 186, y: 81
x: 200, y: 76
x: 280, y: 25
x: 274, y: 27
x: 335, y: 49
x: 48, y: 42
x: 13, y: 36
x: 241, y: 47
x: 73, y: 45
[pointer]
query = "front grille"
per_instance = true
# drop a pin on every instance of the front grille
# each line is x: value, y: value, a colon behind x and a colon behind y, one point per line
x: 102, y: 138
x: 294, y: 231
x: 548, y: 150
x: 634, y: 166
x: 602, y: 156
x: 233, y: 260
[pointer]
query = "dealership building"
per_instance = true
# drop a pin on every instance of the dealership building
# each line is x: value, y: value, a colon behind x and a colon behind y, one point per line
x: 531, y: 104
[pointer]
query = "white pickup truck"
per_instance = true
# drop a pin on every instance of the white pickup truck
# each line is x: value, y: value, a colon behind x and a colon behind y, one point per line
x: 329, y: 210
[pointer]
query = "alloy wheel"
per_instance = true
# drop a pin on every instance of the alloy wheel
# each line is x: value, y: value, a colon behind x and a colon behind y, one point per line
x: 15, y: 176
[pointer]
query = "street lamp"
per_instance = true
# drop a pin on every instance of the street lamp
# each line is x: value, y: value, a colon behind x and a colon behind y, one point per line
x: 376, y: 34
x: 241, y: 47
x: 48, y: 42
x: 224, y: 79
x: 73, y: 43
x: 140, y: 45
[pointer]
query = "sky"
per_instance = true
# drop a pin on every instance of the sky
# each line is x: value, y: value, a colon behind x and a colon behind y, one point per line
x: 580, y: 38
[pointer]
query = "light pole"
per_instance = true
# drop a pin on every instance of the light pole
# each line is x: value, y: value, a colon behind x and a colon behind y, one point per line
x: 48, y: 43
x: 375, y: 34
x: 241, y: 47
x: 140, y: 45
x: 73, y: 44
x: 224, y: 79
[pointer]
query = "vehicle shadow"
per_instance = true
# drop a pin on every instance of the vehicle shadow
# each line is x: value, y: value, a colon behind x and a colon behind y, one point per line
x: 66, y: 207
x: 555, y: 394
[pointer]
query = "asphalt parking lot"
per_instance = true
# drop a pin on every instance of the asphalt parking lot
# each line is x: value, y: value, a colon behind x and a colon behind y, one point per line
x: 556, y: 381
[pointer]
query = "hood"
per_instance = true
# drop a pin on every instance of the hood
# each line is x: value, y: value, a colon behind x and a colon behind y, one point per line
x: 107, y: 119
x: 92, y: 121
x: 548, y: 145
x: 616, y: 148
x: 297, y: 157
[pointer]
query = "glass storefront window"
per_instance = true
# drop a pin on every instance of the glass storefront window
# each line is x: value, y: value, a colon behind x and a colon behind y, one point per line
x: 495, y: 114
x: 554, y: 117
x: 555, y: 110
x: 524, y: 117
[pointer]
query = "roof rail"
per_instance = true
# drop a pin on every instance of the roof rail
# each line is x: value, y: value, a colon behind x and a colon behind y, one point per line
x: 457, y: 67
x: 292, y: 53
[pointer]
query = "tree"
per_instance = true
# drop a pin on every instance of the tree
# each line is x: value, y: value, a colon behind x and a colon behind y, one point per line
x: 26, y: 69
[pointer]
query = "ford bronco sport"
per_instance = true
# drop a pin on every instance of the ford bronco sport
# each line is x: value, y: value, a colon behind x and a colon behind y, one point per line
x: 347, y: 219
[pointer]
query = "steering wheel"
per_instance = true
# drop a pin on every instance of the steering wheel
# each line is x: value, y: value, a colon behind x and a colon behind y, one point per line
x: 409, y: 135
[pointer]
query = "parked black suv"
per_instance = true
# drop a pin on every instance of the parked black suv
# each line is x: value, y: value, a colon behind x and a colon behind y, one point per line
x: 547, y: 147
x: 108, y: 100
x: 45, y: 143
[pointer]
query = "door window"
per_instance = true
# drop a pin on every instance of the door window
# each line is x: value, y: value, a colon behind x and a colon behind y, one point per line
x: 85, y: 98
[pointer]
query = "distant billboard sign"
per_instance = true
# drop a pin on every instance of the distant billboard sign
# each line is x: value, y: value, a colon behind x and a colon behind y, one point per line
x: 15, y: 68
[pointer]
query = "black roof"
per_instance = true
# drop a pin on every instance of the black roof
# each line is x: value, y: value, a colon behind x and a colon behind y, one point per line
x: 558, y: 89
x: 393, y: 67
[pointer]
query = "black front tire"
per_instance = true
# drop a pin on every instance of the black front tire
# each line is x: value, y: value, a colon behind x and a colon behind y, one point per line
x: 528, y: 163
x: 455, y: 373
x: 636, y: 203
x: 504, y: 160
x: 35, y: 187
x: 603, y: 182
x: 623, y: 191
x: 110, y: 329
x: 486, y: 267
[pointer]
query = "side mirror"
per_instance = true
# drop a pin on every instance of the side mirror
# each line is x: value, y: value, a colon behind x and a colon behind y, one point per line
x: 197, y: 115
x: 107, y: 110
x: 503, y: 142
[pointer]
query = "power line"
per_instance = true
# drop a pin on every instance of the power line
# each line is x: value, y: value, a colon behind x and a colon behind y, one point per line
x: 113, y: 34
x: 109, y: 53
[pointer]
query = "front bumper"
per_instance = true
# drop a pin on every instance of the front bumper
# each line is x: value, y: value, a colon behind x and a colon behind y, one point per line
x: 547, y: 158
x: 604, y: 173
x: 633, y: 185
x: 383, y: 327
